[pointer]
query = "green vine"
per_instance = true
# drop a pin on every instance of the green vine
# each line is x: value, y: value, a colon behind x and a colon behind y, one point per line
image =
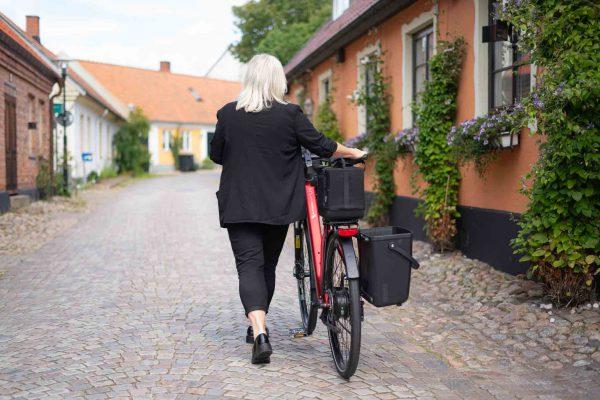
x: 326, y: 121
x: 376, y: 100
x: 435, y: 159
x: 560, y: 231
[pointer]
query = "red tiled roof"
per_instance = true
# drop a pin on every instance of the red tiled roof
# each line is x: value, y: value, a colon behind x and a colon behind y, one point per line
x: 90, y: 91
x: 165, y: 96
x: 343, y: 29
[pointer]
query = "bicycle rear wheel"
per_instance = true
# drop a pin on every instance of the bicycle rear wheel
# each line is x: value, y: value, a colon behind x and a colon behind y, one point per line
x: 303, y: 272
x: 343, y: 319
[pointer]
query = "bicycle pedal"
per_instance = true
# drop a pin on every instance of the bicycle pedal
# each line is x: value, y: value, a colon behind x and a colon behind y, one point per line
x: 297, y: 333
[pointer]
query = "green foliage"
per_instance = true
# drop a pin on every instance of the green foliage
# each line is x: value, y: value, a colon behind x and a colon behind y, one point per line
x: 377, y: 102
x: 108, y: 172
x: 434, y: 157
x: 175, y: 145
x: 479, y: 140
x: 207, y: 163
x: 92, y: 177
x: 326, y: 121
x: 560, y: 231
x: 44, y: 181
x: 131, y: 144
x: 277, y: 27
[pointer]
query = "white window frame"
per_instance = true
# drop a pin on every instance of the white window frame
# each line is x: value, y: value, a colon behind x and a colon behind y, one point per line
x: 166, y: 139
x: 297, y: 94
x: 416, y: 25
x: 361, y: 110
x: 324, y: 77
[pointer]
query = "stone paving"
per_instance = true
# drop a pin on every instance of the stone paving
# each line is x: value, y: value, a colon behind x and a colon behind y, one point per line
x: 139, y: 300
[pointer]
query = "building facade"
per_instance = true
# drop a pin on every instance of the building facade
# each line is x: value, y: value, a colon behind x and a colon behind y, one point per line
x: 97, y: 116
x: 405, y: 33
x: 177, y: 105
x: 29, y: 82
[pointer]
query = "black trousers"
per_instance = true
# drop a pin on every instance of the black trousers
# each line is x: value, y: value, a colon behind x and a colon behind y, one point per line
x: 256, y: 248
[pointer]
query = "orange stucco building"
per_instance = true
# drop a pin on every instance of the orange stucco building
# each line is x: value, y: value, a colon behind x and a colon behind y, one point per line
x: 405, y: 32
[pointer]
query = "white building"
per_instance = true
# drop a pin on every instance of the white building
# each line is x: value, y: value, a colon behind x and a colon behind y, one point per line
x: 97, y: 116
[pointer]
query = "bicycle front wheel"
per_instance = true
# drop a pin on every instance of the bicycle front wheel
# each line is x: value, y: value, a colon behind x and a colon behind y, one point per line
x: 303, y: 272
x: 344, y: 315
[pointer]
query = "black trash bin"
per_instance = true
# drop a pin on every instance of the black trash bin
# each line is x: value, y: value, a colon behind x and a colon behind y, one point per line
x: 385, y: 263
x: 186, y: 162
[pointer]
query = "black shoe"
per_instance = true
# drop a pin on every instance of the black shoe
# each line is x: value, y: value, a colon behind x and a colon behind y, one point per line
x: 262, y: 350
x: 250, y: 335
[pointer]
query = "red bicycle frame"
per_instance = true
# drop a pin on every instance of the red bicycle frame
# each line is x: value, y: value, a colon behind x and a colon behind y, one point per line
x: 318, y: 236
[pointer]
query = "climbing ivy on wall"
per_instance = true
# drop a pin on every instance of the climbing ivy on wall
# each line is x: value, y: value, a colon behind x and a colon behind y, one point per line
x: 560, y: 230
x: 376, y: 101
x: 436, y: 161
x: 326, y: 121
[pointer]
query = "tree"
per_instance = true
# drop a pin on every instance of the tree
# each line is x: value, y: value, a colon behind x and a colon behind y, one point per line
x: 131, y: 144
x: 277, y: 27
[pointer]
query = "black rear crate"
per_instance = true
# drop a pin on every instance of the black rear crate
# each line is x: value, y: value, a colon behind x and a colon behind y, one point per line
x: 385, y: 264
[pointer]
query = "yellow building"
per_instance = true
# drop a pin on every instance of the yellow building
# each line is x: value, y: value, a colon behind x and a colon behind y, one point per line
x: 177, y: 105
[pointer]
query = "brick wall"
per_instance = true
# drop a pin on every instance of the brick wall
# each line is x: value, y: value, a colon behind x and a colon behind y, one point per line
x: 31, y: 90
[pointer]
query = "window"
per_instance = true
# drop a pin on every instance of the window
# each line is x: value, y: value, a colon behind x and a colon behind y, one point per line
x: 100, y: 141
x: 41, y: 127
x: 510, y: 70
x: 89, y: 134
x: 370, y: 69
x: 339, y: 6
x: 325, y: 84
x: 186, y: 141
x: 166, y: 140
x: 421, y: 54
x: 83, y: 133
x: 31, y: 125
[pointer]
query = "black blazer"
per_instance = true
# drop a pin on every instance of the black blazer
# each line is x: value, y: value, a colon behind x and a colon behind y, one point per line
x: 263, y: 172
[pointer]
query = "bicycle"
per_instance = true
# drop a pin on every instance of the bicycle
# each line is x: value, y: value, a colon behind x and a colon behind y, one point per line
x: 326, y: 269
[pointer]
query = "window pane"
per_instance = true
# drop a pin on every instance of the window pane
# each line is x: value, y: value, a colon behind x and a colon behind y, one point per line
x: 420, y: 50
x: 420, y: 79
x: 429, y: 46
x: 523, y: 81
x: 502, y: 55
x: 503, y: 88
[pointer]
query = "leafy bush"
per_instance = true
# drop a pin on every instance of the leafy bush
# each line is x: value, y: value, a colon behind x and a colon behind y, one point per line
x: 93, y: 177
x: 108, y: 172
x: 175, y: 145
x: 131, y: 144
x: 326, y: 121
x: 44, y: 181
x: 560, y: 231
x: 207, y: 163
x: 434, y: 157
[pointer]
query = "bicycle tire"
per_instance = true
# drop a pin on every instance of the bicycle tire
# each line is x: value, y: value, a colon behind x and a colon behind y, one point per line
x: 305, y: 282
x: 346, y: 358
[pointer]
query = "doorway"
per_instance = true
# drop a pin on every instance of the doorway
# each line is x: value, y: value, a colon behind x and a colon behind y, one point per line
x: 10, y: 124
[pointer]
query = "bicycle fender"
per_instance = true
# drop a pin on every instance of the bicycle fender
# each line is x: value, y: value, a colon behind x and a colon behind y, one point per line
x: 349, y: 257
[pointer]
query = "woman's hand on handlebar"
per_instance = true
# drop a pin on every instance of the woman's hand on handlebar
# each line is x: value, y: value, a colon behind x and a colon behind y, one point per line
x: 348, y: 152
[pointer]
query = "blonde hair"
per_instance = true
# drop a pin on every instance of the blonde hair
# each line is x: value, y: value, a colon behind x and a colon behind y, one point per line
x: 264, y: 82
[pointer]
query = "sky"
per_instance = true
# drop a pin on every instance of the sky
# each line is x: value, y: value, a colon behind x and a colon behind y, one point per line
x: 191, y: 34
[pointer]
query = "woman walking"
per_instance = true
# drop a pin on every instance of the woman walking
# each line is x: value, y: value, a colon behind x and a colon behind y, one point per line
x: 258, y: 141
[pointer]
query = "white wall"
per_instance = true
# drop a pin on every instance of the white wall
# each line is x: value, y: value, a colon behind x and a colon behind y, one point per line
x: 94, y: 136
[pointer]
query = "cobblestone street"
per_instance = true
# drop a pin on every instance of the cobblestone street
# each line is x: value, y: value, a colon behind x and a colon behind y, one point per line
x: 138, y: 299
